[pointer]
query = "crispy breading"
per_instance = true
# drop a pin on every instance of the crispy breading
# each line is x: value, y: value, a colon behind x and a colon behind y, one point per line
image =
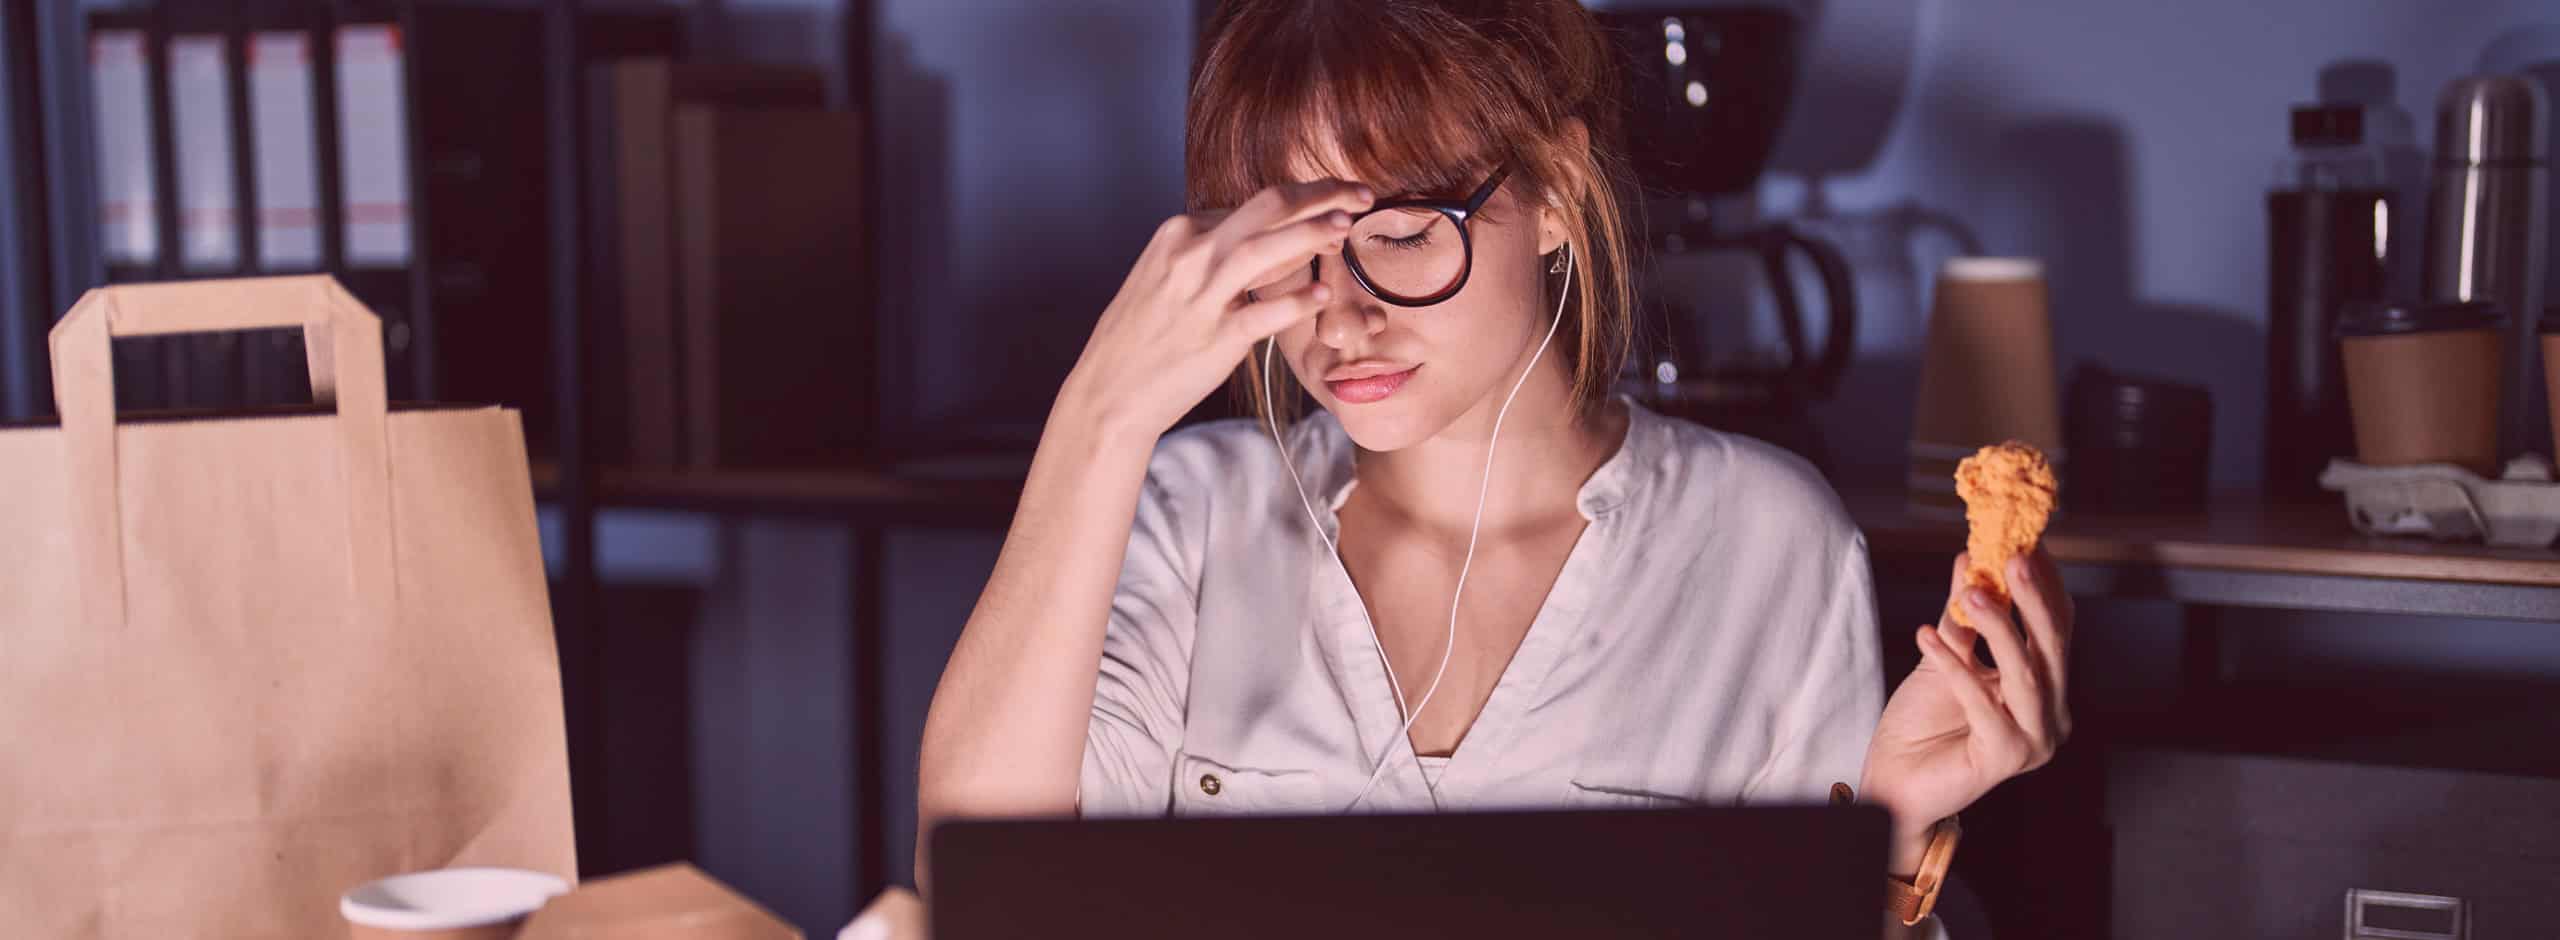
x: 2008, y: 492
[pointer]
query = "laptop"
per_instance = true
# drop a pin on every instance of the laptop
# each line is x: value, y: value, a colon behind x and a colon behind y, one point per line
x: 1797, y: 872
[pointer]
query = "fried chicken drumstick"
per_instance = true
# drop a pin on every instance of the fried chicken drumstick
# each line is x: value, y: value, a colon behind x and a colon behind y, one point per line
x: 2008, y: 492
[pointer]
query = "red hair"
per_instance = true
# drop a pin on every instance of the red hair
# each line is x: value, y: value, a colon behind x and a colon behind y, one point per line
x: 1427, y: 97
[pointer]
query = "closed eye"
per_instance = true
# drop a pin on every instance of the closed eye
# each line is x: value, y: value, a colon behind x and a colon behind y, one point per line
x: 1415, y: 240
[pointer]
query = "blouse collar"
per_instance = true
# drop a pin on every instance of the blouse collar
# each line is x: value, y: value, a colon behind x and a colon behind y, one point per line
x: 1319, y: 442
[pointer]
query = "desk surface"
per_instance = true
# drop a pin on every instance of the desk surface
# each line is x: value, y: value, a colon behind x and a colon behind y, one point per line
x: 2236, y: 534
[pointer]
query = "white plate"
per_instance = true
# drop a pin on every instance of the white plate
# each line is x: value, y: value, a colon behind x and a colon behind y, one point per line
x: 449, y: 898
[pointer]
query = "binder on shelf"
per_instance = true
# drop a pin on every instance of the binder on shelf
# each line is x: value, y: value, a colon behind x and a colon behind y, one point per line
x: 200, y: 115
x: 284, y: 148
x: 373, y: 145
x: 120, y: 96
x: 632, y: 111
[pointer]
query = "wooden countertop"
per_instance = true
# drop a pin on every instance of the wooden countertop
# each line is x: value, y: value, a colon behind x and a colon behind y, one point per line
x: 2236, y: 533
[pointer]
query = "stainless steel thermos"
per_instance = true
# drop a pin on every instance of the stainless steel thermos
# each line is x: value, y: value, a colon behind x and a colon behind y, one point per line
x: 2486, y: 222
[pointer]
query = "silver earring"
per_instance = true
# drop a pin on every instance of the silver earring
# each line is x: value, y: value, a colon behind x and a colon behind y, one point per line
x: 1557, y: 266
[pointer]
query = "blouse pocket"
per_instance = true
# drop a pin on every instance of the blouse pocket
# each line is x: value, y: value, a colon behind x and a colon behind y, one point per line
x: 1203, y: 787
x: 1592, y: 794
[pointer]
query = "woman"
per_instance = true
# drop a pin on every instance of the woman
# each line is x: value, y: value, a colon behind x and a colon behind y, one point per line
x: 1542, y: 595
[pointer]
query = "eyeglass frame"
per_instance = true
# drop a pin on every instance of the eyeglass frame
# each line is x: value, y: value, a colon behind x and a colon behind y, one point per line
x: 1457, y: 211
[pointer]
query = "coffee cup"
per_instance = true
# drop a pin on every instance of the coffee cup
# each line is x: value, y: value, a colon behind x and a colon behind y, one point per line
x: 448, y: 904
x: 2423, y: 381
x: 1987, y: 374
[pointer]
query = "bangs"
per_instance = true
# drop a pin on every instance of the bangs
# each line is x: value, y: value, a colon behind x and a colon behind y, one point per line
x: 1392, y: 85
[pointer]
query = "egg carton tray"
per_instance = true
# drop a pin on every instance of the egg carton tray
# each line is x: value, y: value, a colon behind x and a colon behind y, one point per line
x: 2520, y: 509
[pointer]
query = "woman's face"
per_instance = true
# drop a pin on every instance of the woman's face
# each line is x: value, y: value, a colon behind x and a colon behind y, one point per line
x: 1396, y: 376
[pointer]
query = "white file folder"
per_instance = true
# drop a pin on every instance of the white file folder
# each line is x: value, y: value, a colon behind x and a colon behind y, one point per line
x: 128, y: 197
x: 282, y: 127
x: 208, y: 187
x: 373, y: 146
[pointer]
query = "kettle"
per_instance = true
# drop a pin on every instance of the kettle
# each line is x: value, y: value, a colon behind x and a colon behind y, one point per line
x: 1707, y: 91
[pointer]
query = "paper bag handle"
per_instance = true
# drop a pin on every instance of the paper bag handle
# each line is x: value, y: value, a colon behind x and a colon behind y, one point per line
x: 343, y: 341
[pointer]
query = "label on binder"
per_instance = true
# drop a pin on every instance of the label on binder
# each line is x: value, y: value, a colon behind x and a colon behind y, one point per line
x: 208, y: 189
x: 286, y: 151
x: 373, y: 146
x: 128, y: 196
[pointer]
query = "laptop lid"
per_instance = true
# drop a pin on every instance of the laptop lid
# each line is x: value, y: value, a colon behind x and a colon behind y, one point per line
x: 1805, y: 872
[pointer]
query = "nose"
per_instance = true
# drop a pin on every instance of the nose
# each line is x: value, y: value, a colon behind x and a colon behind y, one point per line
x: 1348, y: 320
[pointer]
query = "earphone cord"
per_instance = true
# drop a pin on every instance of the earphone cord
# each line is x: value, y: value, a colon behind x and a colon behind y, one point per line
x: 1483, y: 488
x: 1271, y: 420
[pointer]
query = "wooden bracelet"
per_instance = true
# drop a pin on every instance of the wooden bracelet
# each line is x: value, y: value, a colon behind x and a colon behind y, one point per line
x: 1912, y: 901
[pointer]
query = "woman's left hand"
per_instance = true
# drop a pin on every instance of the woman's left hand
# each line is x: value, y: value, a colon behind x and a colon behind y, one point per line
x: 1958, y: 727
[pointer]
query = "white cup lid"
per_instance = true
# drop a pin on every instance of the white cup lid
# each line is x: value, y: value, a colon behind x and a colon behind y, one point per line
x: 449, y: 898
x: 1993, y: 269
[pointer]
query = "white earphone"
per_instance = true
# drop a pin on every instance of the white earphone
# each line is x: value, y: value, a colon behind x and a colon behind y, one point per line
x: 1484, y: 487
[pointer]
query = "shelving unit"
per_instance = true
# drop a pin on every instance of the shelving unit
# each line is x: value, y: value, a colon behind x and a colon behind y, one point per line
x: 869, y: 503
x: 579, y: 486
x: 49, y: 254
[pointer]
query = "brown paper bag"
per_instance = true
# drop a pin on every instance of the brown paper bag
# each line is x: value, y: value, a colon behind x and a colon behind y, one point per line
x: 669, y: 902
x: 247, y: 663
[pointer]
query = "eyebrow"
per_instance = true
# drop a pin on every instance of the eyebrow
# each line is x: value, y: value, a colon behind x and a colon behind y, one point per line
x: 1464, y: 190
x: 1463, y: 186
x: 1441, y: 195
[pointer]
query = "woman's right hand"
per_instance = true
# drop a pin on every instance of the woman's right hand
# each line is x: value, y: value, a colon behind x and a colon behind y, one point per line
x: 1181, y: 321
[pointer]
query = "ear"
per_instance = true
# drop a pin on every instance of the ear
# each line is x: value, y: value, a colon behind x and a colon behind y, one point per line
x: 1555, y: 226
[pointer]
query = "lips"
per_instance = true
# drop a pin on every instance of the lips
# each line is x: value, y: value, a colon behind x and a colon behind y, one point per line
x: 1361, y: 385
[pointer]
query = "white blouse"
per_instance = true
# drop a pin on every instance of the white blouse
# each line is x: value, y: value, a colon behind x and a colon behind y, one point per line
x: 1711, y: 639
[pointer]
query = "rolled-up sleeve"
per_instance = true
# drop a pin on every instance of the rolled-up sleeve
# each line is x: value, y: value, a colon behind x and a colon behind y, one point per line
x: 1139, y: 696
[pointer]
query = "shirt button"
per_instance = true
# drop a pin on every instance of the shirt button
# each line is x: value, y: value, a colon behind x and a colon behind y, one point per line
x: 1209, y: 784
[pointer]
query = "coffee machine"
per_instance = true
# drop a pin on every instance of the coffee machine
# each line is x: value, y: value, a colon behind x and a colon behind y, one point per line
x: 1707, y: 90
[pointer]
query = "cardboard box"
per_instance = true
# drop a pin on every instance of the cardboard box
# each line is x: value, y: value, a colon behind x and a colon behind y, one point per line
x: 670, y: 901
